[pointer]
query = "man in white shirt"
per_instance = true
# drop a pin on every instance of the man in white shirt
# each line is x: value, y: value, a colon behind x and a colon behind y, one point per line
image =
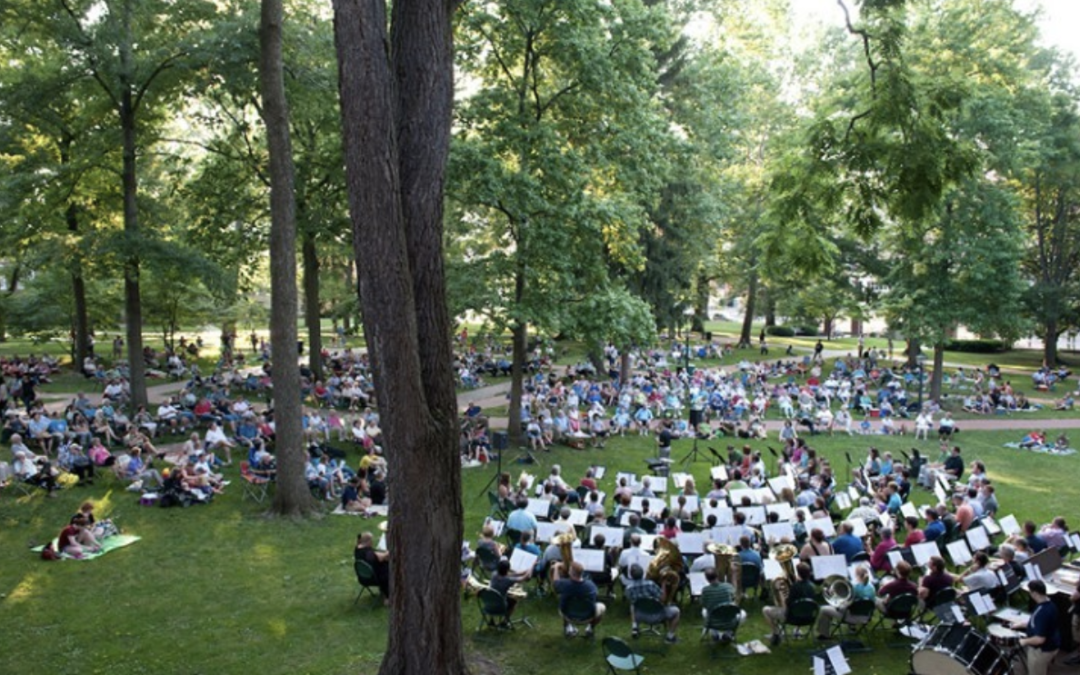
x: 216, y: 440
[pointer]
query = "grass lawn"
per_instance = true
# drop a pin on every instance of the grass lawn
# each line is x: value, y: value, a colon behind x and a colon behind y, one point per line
x: 221, y: 589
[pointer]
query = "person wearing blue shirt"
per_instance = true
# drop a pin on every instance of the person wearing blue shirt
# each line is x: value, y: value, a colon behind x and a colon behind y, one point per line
x: 747, y: 554
x: 1043, y: 636
x: 520, y: 519
x: 934, y: 527
x: 847, y: 544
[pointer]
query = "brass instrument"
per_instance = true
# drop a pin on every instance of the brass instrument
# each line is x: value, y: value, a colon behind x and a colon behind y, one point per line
x: 565, y: 541
x: 666, y: 568
x: 781, y: 589
x: 785, y: 555
x: 473, y: 586
x: 728, y: 566
x: 838, y: 592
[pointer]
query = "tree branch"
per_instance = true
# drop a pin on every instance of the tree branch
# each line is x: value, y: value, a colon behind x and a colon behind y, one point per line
x: 862, y: 33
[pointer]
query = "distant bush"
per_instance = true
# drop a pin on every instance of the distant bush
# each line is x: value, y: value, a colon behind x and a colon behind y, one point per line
x: 780, y: 331
x: 977, y: 346
x: 811, y: 331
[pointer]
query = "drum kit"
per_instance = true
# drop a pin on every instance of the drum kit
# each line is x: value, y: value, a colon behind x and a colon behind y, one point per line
x: 959, y: 649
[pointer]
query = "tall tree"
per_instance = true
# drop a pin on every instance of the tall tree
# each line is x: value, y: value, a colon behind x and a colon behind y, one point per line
x: 396, y: 102
x: 292, y: 496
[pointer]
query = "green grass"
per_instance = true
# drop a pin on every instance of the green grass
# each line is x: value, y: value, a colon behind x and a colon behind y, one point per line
x: 221, y: 589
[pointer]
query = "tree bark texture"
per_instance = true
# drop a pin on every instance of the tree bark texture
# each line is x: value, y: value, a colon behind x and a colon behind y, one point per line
x: 132, y: 296
x: 311, y: 304
x: 746, y: 336
x: 396, y: 110
x: 292, y: 496
x: 939, y: 371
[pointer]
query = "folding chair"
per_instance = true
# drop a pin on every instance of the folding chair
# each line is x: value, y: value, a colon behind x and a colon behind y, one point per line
x: 580, y: 611
x: 801, y: 613
x: 940, y: 599
x: 485, y: 563
x: 619, y: 656
x: 901, y: 610
x: 722, y: 620
x: 365, y: 576
x: 495, y: 611
x: 857, y: 619
x: 650, y: 613
x: 255, y: 487
x: 750, y: 579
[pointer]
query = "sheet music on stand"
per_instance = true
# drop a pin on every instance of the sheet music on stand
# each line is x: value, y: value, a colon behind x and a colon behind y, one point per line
x: 824, y: 524
x: 908, y: 510
x: 631, y: 479
x: 773, y: 570
x: 1009, y: 525
x: 591, y: 558
x: 991, y: 525
x: 941, y: 494
x: 719, y: 472
x: 784, y: 512
x: 826, y: 566
x: 1033, y: 572
x: 958, y: 552
x: 981, y: 603
x: 978, y: 538
x: 831, y: 661
x: 924, y: 551
x: 522, y: 561
x: 613, y: 536
x: 680, y: 478
x: 693, y: 502
x: 778, y: 532
x: 1074, y: 541
x: 697, y: 583
x: 843, y: 501
x: 497, y: 526
x: 755, y: 515
x: 858, y: 527
x: 598, y: 472
x: 949, y: 612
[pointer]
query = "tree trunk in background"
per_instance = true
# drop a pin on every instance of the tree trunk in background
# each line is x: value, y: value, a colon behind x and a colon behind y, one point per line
x: 939, y: 371
x: 396, y: 113
x: 1050, y: 338
x: 291, y: 496
x: 346, y: 318
x: 518, y: 347
x: 701, y: 302
x: 624, y: 366
x: 311, y: 304
x: 132, y: 297
x: 746, y: 335
x: 770, y: 308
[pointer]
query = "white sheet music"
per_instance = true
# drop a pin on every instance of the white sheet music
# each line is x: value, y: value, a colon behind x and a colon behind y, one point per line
x: 858, y: 527
x: 697, y: 583
x: 727, y: 535
x: 941, y: 494
x: 894, y: 557
x: 693, y: 503
x: 659, y: 484
x: 723, y: 512
x: 783, y: 511
x: 381, y: 546
x: 591, y: 558
x: 755, y: 515
x: 1074, y: 541
x: 631, y: 479
x: 1009, y: 525
x: 539, y: 507
x: 648, y: 542
x: 908, y: 510
x: 773, y: 570
x: 819, y: 666
x: 778, y: 484
x: 598, y: 472
x: 853, y: 493
x: 719, y: 472
x: 978, y: 539
x: 497, y: 526
x: 826, y: 566
x: 624, y: 520
x: 546, y: 531
x: 1033, y: 572
x: 579, y: 516
x: 522, y: 561
x: 736, y: 496
x: 778, y: 532
x: 843, y: 501
x: 613, y: 536
x: 992, y: 528
x: 838, y: 660
x: 983, y: 604
x: 924, y: 551
x: 958, y: 552
x: 957, y: 613
x: 679, y: 479
x: 825, y: 524
x: 691, y: 542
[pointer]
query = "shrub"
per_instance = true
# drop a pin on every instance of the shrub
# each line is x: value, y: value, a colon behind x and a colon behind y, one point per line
x: 977, y: 346
x: 780, y: 331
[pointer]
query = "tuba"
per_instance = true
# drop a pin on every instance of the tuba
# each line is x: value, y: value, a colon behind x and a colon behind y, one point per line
x: 666, y: 569
x: 838, y: 592
x: 565, y: 541
x: 728, y: 566
x: 785, y: 555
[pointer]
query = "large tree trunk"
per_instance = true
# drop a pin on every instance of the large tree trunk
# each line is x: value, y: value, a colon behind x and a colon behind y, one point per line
x: 518, y: 347
x: 770, y: 308
x: 132, y: 297
x: 311, y: 304
x: 396, y: 117
x: 81, y: 322
x: 292, y: 496
x: 939, y: 370
x: 746, y: 335
x: 1050, y: 338
x: 701, y: 302
x: 624, y: 366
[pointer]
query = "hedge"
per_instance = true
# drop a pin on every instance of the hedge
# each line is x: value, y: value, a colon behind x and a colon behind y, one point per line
x: 977, y: 346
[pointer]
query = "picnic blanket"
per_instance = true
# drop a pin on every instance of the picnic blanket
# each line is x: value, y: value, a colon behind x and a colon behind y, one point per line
x: 107, y: 544
x: 375, y: 510
x: 1044, y: 449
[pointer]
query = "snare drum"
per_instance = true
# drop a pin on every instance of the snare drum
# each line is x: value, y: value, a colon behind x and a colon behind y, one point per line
x: 956, y: 649
x: 1004, y: 637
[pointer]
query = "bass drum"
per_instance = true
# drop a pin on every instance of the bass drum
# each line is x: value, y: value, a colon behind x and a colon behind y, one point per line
x: 956, y: 649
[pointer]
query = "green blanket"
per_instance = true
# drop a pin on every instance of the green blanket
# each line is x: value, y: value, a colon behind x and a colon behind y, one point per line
x: 107, y: 544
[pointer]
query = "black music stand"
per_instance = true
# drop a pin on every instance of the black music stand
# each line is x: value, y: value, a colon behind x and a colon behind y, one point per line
x: 499, y: 441
x: 716, y: 455
x: 694, y: 454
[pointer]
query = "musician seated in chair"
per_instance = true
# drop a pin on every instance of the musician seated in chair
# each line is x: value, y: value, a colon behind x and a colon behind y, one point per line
x: 902, y: 585
x: 716, y: 593
x: 504, y: 580
x: 862, y: 589
x: 775, y: 615
x: 935, y: 581
x: 575, y: 585
x: 640, y: 587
